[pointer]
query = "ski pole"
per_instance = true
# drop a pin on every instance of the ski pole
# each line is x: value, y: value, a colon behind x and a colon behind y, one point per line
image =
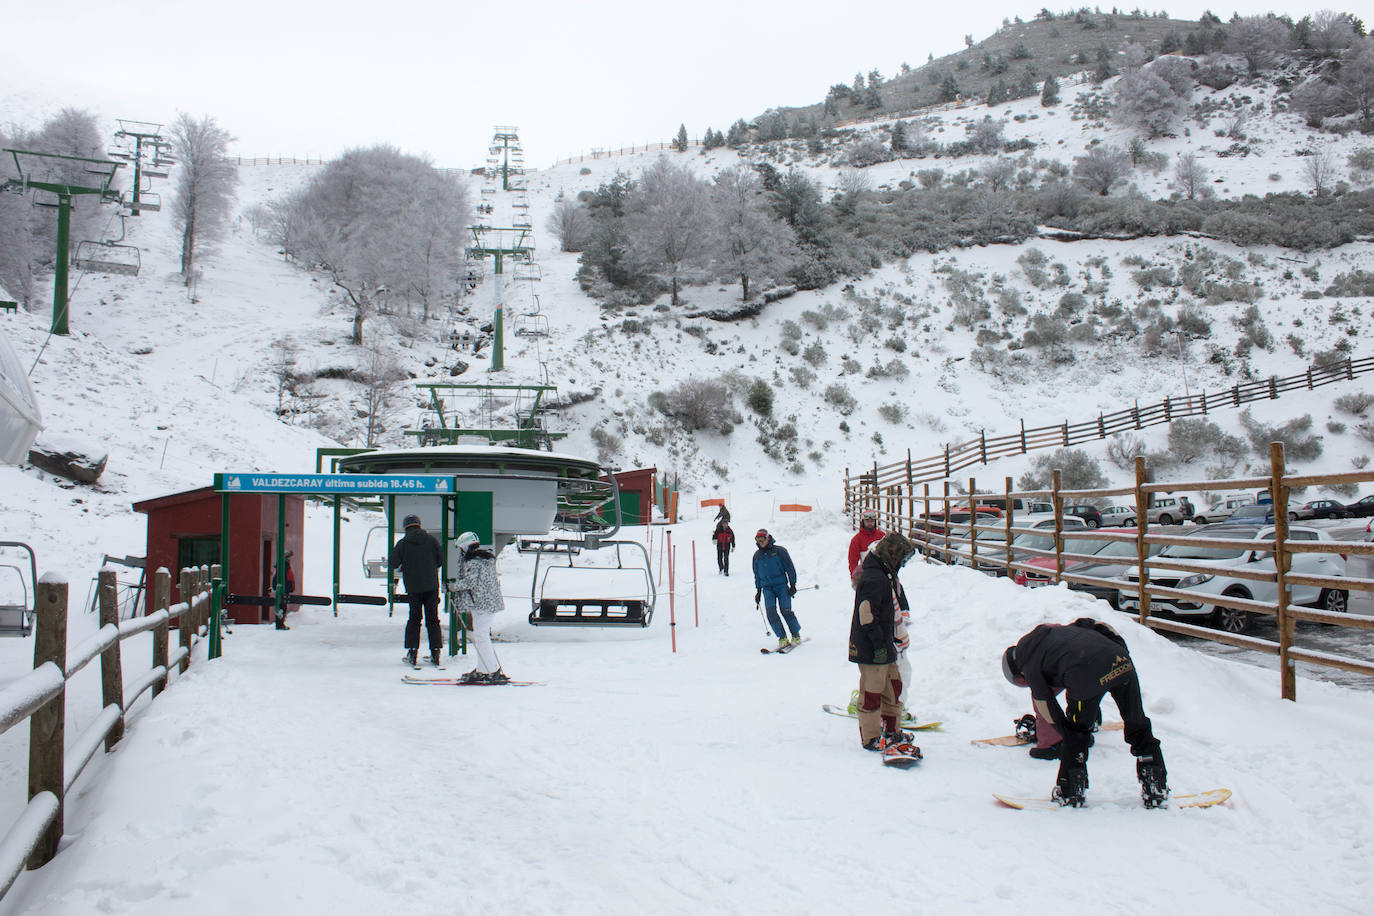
x: 766, y: 628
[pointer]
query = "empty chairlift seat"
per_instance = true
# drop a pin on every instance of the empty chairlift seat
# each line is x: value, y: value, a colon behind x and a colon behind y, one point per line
x: 580, y: 606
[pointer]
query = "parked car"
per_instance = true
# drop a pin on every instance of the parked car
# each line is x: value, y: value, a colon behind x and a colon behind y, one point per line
x: 1253, y: 514
x: 1089, y: 513
x: 1206, y: 583
x: 1362, y: 508
x: 1043, y: 572
x: 1222, y: 508
x: 1319, y: 508
x: 1169, y: 510
x: 1111, y: 562
x: 1016, y: 505
x: 1118, y: 516
x: 992, y: 551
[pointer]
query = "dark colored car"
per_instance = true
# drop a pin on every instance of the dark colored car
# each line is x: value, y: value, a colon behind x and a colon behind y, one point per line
x: 1113, y: 560
x: 1362, y: 508
x: 1319, y: 508
x: 1091, y: 517
x: 1257, y: 514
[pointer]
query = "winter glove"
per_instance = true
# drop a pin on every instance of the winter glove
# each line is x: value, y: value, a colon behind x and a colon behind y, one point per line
x: 758, y: 595
x: 791, y: 591
x: 878, y: 640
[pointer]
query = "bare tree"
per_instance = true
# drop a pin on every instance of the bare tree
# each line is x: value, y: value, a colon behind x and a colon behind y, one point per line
x: 1101, y: 167
x: 1191, y: 176
x: 669, y: 222
x: 1320, y: 170
x: 1331, y: 32
x: 753, y: 242
x: 1356, y: 80
x: 986, y: 135
x: 206, y: 182
x: 381, y: 378
x: 383, y: 226
x: 1258, y: 39
x: 998, y: 173
x: 570, y: 224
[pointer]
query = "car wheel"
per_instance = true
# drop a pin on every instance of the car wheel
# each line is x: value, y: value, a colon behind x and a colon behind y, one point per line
x: 1292, y: 516
x: 1127, y: 522
x: 1230, y: 619
x: 1199, y: 519
x: 1166, y: 519
x: 1090, y: 523
x: 1334, y: 600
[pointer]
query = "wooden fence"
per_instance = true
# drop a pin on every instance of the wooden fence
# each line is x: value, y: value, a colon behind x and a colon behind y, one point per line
x: 41, y: 697
x: 989, y: 547
x: 955, y: 458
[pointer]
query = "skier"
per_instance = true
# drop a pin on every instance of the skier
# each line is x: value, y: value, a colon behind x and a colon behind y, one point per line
x: 1087, y: 659
x: 775, y: 581
x: 479, y: 590
x: 723, y: 515
x: 874, y: 631
x: 419, y: 557
x: 290, y: 590
x: 724, y: 536
x: 868, y: 534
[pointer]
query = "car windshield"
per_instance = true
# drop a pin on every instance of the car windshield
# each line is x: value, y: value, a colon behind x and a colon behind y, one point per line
x: 1034, y: 541
x: 1251, y: 512
x: 1085, y: 545
x: 1199, y: 552
x: 1117, y: 549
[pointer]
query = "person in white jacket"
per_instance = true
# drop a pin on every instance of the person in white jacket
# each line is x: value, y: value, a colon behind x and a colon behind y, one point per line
x: 478, y: 590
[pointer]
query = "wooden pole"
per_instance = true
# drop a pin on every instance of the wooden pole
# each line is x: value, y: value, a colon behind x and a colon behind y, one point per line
x: 672, y: 602
x: 184, y: 619
x: 1058, y: 502
x: 47, y: 726
x: 162, y: 600
x: 1283, y: 558
x: 1142, y: 551
x: 111, y: 672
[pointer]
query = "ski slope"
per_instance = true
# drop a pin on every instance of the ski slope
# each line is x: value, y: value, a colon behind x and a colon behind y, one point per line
x: 298, y: 774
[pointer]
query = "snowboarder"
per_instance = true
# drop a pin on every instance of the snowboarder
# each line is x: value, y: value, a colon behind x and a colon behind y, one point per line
x: 874, y: 631
x: 418, y: 555
x: 724, y: 536
x: 775, y: 582
x: 868, y: 534
x: 290, y: 590
x: 478, y: 590
x: 1087, y: 659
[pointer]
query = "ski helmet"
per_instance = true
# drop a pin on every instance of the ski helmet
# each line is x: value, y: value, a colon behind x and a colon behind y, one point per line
x: 869, y: 515
x: 1010, y: 669
x: 467, y: 540
x: 411, y: 521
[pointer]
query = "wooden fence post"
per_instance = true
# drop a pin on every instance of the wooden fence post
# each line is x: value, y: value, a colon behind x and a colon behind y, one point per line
x: 1283, y: 559
x: 1066, y: 434
x: 1101, y: 426
x: 47, y: 726
x: 1235, y: 395
x: 1273, y: 387
x: 162, y: 600
x: 1057, y: 501
x: 1168, y: 418
x: 982, y: 446
x: 1142, y: 551
x: 1023, y: 435
x: 1135, y: 413
x: 1006, y: 519
x: 1204, y: 402
x: 187, y: 589
x: 111, y: 671
x: 910, y: 496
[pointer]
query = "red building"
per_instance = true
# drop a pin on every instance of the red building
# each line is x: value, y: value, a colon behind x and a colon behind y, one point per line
x: 636, y: 495
x: 184, y: 530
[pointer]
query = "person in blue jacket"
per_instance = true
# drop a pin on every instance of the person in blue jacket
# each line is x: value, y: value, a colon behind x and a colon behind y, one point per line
x: 775, y: 582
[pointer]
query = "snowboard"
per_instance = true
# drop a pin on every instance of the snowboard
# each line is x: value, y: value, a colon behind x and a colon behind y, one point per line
x: 903, y: 755
x: 907, y: 723
x: 455, y: 682
x: 1199, y: 800
x: 1017, y: 741
x: 785, y: 649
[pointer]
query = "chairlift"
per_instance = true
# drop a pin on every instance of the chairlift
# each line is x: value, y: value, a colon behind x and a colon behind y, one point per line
x: 147, y: 200
x: 527, y: 271
x: 128, y: 590
x: 154, y: 171
x: 375, y: 565
x: 633, y: 606
x: 18, y: 595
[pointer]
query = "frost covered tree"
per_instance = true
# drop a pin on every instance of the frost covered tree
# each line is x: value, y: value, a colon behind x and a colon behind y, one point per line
x: 680, y: 142
x: 1049, y: 93
x: 669, y: 223
x: 383, y: 225
x: 570, y: 224
x: 206, y: 182
x: 1356, y: 80
x: 1101, y: 167
x: 1191, y: 176
x: 1258, y: 39
x: 797, y: 201
x: 753, y: 243
x: 1145, y: 100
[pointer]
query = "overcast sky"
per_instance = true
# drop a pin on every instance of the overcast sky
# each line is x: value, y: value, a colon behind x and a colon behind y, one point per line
x: 312, y: 78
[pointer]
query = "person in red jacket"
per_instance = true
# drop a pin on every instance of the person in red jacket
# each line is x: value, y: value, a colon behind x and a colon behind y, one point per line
x: 868, y: 534
x: 724, y: 536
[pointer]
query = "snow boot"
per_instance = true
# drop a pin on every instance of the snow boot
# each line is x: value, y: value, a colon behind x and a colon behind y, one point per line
x: 498, y: 677
x: 784, y: 642
x: 410, y: 657
x: 1045, y: 753
x: 434, y: 658
x: 473, y: 677
x: 1154, y: 780
x: 1072, y: 784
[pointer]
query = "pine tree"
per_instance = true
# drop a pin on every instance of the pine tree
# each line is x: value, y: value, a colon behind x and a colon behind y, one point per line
x: 680, y: 144
x: 1049, y: 94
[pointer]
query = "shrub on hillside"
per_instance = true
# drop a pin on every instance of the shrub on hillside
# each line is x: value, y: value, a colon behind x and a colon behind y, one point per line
x: 1356, y: 403
x: 838, y: 396
x: 1299, y: 443
x: 1077, y: 471
x: 1193, y: 439
x: 760, y: 398
x: 699, y: 404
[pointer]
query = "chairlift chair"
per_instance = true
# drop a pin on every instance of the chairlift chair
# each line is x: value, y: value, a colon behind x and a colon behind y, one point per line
x: 375, y: 566
x: 154, y: 171
x: 107, y: 257
x: 147, y: 200
x: 628, y: 609
x: 18, y: 597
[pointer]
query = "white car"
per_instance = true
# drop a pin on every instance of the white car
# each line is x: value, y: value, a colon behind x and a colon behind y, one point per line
x: 1118, y: 516
x: 1209, y: 583
x: 992, y: 548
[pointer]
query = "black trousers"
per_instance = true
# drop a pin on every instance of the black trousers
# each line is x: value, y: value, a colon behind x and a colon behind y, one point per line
x: 1083, y: 712
x: 723, y: 557
x: 426, y: 603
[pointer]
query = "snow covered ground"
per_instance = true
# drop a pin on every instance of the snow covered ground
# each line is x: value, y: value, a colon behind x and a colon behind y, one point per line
x: 298, y: 774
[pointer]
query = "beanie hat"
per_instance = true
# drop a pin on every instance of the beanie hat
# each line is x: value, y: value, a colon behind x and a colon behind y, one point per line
x: 411, y: 520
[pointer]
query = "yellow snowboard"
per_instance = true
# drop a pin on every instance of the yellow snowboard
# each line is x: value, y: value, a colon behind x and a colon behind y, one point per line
x: 1200, y: 800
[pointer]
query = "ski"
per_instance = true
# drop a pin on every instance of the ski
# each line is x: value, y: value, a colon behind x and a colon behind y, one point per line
x: 783, y: 650
x: 908, y: 722
x: 1198, y: 800
x: 456, y: 682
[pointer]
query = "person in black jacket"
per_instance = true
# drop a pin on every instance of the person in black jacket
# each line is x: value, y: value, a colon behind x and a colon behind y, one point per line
x: 724, y: 536
x: 873, y: 637
x: 418, y: 555
x: 1087, y: 659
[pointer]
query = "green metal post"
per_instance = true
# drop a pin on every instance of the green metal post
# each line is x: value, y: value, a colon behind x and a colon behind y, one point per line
x: 216, y: 608
x: 337, y: 512
x: 138, y: 174
x: 281, y: 556
x: 390, y: 540
x: 64, y: 254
